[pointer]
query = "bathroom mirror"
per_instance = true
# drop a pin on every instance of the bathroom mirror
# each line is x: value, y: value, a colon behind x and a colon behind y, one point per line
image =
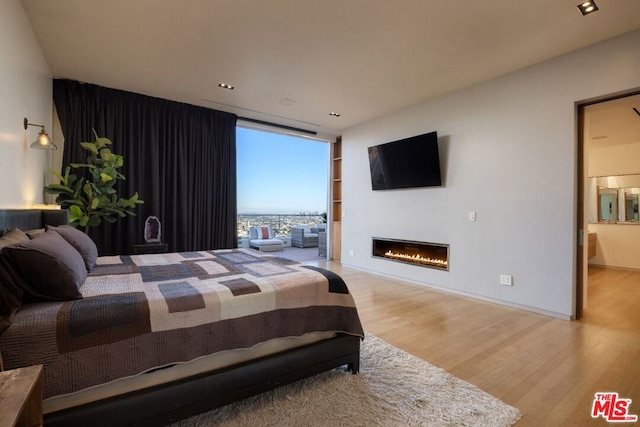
x: 607, y: 204
x: 614, y: 199
x: 631, y: 206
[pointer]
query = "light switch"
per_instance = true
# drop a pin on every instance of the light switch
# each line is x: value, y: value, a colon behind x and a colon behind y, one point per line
x: 472, y: 216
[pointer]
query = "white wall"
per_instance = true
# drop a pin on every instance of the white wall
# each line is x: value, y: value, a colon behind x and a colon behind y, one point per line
x: 508, y: 150
x: 614, y: 160
x: 616, y: 245
x: 25, y: 91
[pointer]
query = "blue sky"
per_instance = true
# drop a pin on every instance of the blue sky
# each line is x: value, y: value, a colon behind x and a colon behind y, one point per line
x: 281, y: 173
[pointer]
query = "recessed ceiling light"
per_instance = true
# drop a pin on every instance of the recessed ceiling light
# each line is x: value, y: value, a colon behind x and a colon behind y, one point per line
x: 225, y: 86
x: 587, y: 7
x: 334, y: 114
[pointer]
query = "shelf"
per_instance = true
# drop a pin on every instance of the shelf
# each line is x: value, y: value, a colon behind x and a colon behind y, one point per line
x: 337, y: 149
x: 337, y: 173
x: 336, y: 202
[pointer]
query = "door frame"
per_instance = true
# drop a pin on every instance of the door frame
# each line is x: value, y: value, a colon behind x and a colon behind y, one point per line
x: 581, y: 226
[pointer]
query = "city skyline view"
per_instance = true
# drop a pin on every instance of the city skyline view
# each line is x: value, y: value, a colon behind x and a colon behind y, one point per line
x: 280, y: 174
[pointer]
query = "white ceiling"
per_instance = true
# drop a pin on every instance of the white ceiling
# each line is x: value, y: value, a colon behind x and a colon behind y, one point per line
x: 613, y: 122
x: 293, y: 62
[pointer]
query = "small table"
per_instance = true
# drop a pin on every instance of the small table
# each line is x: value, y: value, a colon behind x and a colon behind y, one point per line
x: 151, y: 248
x: 21, y: 396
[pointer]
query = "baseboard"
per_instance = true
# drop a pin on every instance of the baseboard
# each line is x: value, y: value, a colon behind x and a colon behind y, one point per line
x: 466, y: 294
x: 612, y: 267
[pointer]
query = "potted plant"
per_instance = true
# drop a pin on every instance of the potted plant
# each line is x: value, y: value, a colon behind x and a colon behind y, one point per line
x: 91, y: 197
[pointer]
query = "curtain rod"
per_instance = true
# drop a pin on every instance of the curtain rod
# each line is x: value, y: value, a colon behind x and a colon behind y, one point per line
x: 262, y: 122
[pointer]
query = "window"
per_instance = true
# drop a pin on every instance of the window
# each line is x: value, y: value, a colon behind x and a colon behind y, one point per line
x: 282, y: 180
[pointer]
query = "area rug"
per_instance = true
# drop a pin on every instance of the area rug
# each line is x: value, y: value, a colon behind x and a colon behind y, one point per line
x: 393, y: 388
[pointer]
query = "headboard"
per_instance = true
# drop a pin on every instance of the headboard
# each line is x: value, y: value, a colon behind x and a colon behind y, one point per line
x: 28, y: 219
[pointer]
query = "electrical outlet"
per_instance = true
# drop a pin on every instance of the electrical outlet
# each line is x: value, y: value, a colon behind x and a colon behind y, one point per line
x: 506, y: 279
x: 352, y: 252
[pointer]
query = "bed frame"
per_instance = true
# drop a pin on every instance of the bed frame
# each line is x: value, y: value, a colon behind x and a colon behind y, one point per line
x: 180, y: 399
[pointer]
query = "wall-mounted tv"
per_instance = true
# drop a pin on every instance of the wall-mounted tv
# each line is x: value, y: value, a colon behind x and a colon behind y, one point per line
x: 407, y: 163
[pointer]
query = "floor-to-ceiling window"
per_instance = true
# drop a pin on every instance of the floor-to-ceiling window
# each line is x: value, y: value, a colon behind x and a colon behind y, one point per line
x: 282, y: 180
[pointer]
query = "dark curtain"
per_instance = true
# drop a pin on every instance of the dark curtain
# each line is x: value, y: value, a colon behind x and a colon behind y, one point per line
x: 181, y: 159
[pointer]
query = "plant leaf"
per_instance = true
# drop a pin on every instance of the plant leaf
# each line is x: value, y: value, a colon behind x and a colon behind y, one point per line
x: 101, y: 142
x: 91, y: 196
x: 90, y: 146
x: 93, y: 221
x: 56, y: 188
x: 106, y: 155
x: 75, y: 213
x: 87, y: 190
x: 58, y: 175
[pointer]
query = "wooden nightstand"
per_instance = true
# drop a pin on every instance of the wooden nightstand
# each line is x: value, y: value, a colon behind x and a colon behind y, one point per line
x: 151, y: 248
x: 21, y: 397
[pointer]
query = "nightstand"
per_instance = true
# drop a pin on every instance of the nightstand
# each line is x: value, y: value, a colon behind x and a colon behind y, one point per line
x: 151, y: 248
x: 21, y: 397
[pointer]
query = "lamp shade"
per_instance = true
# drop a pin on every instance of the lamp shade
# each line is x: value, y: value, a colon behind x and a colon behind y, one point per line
x: 43, y: 142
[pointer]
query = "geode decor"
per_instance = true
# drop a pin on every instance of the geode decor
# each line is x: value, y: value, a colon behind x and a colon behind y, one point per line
x: 152, y: 232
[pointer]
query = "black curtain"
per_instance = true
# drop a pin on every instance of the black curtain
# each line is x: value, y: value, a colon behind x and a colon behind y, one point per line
x: 181, y: 159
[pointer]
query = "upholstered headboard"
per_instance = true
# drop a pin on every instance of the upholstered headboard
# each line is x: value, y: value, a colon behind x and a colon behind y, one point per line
x: 28, y: 219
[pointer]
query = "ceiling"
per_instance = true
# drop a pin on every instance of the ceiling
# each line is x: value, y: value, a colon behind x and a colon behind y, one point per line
x: 613, y: 122
x: 292, y: 62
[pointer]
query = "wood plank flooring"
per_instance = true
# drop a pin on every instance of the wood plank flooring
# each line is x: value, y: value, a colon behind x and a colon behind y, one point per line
x: 548, y: 368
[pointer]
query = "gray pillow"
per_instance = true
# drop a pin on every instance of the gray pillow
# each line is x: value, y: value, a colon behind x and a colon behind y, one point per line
x: 83, y: 243
x: 10, y: 293
x: 49, y: 266
x: 13, y: 236
x: 35, y: 232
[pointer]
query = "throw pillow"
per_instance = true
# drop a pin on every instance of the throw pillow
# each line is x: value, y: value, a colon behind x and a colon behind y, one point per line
x: 13, y: 236
x: 10, y: 294
x: 80, y: 241
x: 35, y: 232
x: 264, y: 232
x: 49, y: 267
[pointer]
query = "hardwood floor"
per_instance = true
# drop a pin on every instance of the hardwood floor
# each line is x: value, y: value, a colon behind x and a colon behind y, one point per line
x: 548, y: 368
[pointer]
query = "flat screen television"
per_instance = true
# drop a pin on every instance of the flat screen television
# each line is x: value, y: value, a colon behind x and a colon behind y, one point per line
x: 407, y: 163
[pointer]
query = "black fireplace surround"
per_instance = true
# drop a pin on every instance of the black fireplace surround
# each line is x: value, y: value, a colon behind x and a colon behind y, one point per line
x: 423, y: 254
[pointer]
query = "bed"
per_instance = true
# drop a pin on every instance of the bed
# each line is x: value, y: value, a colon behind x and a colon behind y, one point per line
x: 162, y: 337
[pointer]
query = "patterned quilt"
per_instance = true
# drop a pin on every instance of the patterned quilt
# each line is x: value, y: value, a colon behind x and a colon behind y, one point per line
x: 141, y: 312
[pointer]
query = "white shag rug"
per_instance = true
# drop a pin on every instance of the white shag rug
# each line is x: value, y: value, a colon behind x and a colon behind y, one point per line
x: 392, y: 389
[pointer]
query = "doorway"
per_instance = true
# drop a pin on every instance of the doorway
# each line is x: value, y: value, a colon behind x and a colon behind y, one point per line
x: 282, y: 183
x: 608, y: 171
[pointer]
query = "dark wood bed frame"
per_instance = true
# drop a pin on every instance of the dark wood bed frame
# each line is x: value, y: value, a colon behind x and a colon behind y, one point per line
x: 180, y: 399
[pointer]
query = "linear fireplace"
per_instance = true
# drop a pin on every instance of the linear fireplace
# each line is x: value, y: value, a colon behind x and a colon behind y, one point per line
x: 424, y: 254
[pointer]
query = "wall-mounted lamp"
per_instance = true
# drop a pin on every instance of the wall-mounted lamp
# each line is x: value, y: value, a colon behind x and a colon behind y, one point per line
x: 43, y: 142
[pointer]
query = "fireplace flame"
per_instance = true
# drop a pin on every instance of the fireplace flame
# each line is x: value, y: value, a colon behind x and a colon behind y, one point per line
x: 418, y: 259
